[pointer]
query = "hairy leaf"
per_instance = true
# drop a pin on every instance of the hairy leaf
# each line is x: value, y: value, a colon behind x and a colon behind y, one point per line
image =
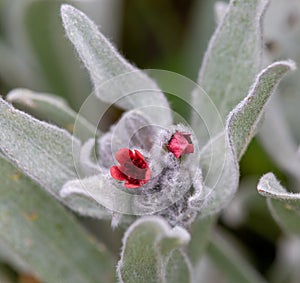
x: 219, y: 159
x: 220, y: 10
x: 42, y: 151
x: 231, y: 61
x: 284, y: 206
x: 115, y: 80
x: 52, y: 109
x: 100, y: 191
x: 178, y: 268
x: 151, y: 236
x: 44, y: 236
x: 243, y: 120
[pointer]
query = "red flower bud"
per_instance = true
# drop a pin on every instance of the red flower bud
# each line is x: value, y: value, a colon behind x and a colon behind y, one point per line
x: 133, y: 168
x: 180, y: 144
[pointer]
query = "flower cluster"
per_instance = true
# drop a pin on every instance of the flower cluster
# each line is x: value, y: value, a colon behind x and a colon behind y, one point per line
x: 134, y: 169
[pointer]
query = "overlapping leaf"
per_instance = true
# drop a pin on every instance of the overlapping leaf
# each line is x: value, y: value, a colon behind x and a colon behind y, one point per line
x: 231, y: 63
x: 44, y: 237
x: 284, y: 206
x: 115, y: 80
x: 152, y: 236
x: 52, y: 109
x: 44, y: 152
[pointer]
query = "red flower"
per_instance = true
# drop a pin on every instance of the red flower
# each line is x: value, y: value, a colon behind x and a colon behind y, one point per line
x: 180, y: 144
x: 133, y: 168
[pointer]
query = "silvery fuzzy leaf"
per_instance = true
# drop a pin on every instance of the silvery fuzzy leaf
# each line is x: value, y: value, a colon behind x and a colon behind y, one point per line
x: 107, y: 14
x: 115, y: 80
x: 52, y: 109
x: 88, y: 164
x: 44, y: 152
x: 284, y: 206
x: 219, y: 159
x: 31, y: 220
x: 220, y: 10
x: 101, y: 191
x: 153, y: 237
x: 231, y: 63
x: 243, y: 120
x: 85, y: 205
x: 178, y: 268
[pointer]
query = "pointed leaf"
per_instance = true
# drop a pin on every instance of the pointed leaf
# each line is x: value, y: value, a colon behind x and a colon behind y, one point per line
x: 231, y: 60
x: 42, y: 151
x: 284, y: 206
x: 243, y: 120
x: 219, y: 159
x: 44, y: 236
x: 231, y: 262
x: 52, y: 109
x: 113, y: 77
x: 147, y: 244
x: 220, y: 10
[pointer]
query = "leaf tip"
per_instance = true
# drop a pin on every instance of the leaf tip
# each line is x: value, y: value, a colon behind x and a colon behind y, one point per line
x: 66, y: 8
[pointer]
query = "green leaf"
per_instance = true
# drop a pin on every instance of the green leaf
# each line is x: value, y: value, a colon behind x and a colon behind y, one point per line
x: 231, y: 262
x: 42, y: 151
x: 219, y: 159
x: 178, y: 269
x: 220, y: 10
x: 100, y: 191
x: 150, y: 253
x: 52, y: 109
x: 115, y: 80
x: 44, y: 236
x: 200, y: 233
x: 284, y: 206
x: 231, y: 62
x: 83, y: 201
x: 243, y: 120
